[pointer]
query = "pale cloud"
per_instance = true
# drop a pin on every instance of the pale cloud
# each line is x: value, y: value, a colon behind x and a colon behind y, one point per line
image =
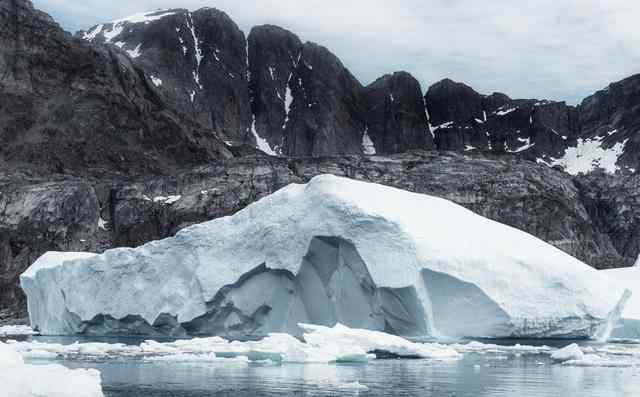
x: 557, y: 49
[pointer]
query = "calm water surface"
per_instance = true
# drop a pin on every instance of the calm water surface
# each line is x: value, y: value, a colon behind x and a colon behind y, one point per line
x: 489, y: 374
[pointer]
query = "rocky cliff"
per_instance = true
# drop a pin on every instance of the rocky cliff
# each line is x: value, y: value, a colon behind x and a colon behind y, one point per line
x: 69, y: 106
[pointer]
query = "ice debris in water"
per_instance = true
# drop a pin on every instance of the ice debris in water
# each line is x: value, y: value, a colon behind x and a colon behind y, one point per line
x: 320, y: 345
x: 18, y: 379
x: 16, y: 330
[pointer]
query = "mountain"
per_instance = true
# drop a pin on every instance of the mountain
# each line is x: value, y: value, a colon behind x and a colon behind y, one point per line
x: 299, y: 100
x: 69, y: 106
x: 116, y: 136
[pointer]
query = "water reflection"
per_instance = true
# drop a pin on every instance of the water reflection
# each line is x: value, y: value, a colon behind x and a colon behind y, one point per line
x: 475, y: 375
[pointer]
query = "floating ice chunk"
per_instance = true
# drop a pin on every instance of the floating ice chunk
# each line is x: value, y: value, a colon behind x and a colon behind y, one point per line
x: 483, y: 348
x: 570, y: 352
x: 371, y: 341
x: 594, y: 360
x: 16, y: 330
x: 18, y: 379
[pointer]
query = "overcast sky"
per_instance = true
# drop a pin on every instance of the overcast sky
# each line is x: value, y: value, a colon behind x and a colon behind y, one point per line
x: 554, y: 49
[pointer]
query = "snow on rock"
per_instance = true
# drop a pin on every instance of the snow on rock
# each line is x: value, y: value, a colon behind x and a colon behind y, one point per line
x: 261, y: 143
x: 571, y: 352
x: 18, y: 379
x: 156, y: 80
x: 504, y: 112
x: 332, y: 251
x: 588, y: 155
x: 368, y: 148
x: 371, y: 341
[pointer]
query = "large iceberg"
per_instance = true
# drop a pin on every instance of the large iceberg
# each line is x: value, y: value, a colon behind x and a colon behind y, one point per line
x: 331, y: 251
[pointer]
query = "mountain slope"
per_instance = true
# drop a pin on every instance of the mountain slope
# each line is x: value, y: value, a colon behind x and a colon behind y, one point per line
x: 69, y: 106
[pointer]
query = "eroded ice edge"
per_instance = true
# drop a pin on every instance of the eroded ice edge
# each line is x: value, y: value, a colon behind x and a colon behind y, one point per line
x: 331, y: 251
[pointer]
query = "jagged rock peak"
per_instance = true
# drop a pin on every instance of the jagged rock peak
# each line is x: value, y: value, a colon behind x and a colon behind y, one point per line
x: 396, y: 114
x: 273, y: 56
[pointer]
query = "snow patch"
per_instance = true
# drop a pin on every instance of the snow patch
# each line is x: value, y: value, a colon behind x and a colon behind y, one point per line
x: 156, y: 80
x: 448, y: 124
x: 135, y: 53
x: 168, y: 200
x: 589, y: 155
x: 504, y: 112
x: 91, y: 35
x: 368, y: 148
x: 261, y: 143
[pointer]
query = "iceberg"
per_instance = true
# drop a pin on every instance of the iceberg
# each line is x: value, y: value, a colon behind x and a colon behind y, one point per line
x: 18, y: 379
x: 331, y: 251
x: 628, y: 327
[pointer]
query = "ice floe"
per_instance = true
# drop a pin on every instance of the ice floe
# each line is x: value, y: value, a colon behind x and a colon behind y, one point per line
x: 18, y: 379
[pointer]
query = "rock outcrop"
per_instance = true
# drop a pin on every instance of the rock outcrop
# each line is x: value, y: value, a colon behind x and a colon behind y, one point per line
x: 197, y: 62
x: 273, y: 55
x: 396, y: 116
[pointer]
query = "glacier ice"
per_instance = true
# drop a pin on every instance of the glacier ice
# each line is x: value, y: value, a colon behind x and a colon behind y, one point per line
x: 18, y: 379
x: 331, y: 251
x: 628, y: 327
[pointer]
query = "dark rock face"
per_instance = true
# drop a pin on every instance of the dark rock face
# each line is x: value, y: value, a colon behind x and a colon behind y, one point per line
x: 396, y: 115
x: 68, y: 106
x: 37, y: 217
x: 612, y: 116
x: 613, y: 204
x: 464, y: 120
x: 326, y: 115
x: 197, y: 62
x: 273, y: 55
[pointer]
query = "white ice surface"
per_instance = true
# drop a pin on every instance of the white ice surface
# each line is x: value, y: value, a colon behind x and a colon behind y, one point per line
x: 570, y: 352
x: 368, y: 147
x: 18, y: 379
x: 15, y: 330
x: 589, y: 155
x: 472, y: 276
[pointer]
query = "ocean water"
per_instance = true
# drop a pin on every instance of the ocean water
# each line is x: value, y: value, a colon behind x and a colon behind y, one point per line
x: 485, y: 373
